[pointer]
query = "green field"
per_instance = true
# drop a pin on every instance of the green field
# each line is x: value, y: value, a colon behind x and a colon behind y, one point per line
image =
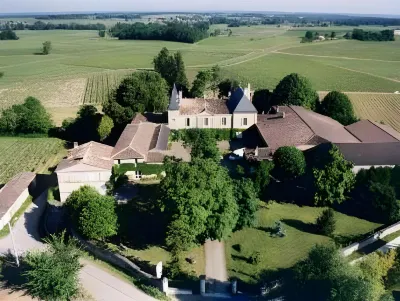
x: 84, y: 68
x: 281, y: 253
x: 28, y: 154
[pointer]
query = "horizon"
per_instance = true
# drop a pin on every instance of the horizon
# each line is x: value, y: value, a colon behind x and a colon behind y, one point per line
x: 343, y: 7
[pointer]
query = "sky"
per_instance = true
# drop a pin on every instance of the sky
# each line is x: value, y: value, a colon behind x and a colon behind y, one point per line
x: 391, y: 7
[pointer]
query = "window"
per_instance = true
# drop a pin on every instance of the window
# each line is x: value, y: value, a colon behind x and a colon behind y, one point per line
x: 187, y: 121
x: 244, y: 121
x: 223, y: 120
x: 205, y: 121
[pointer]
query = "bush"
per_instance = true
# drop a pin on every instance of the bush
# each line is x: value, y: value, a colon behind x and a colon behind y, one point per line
x: 47, y: 47
x: 326, y: 222
x: 289, y: 162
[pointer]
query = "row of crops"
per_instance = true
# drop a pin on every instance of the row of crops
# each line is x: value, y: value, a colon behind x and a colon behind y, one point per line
x: 26, y: 154
x: 383, y: 108
x: 100, y: 86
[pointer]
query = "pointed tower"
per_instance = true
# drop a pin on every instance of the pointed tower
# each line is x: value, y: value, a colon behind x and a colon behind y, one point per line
x: 173, y: 108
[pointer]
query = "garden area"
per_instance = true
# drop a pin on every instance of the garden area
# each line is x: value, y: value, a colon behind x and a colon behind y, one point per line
x: 276, y: 253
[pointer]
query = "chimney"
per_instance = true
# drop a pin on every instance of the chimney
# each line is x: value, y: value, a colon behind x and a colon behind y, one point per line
x: 180, y: 96
x: 247, y: 92
x: 75, y: 145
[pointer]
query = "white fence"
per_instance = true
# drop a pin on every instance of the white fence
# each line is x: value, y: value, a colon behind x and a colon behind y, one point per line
x: 373, y: 238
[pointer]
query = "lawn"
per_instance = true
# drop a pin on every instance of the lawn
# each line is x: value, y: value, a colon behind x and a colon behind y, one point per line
x: 28, y: 154
x: 282, y: 253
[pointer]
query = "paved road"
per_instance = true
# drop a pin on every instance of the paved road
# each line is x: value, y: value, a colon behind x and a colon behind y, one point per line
x: 98, y: 283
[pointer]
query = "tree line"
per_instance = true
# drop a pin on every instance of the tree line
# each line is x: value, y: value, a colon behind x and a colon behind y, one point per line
x: 171, y: 31
x: 39, y: 25
x: 362, y: 35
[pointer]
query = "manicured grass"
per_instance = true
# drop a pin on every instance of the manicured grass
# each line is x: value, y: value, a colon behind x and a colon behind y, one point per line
x: 282, y: 253
x: 28, y: 154
x: 5, y: 231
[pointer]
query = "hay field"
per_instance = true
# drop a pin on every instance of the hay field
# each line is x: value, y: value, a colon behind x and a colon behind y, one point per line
x: 28, y: 154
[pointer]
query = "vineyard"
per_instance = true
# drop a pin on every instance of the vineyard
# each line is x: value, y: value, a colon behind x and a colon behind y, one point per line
x: 99, y: 86
x: 28, y: 154
x: 379, y: 107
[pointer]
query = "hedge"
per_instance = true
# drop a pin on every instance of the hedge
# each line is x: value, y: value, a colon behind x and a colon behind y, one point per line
x: 186, y: 135
x: 145, y: 169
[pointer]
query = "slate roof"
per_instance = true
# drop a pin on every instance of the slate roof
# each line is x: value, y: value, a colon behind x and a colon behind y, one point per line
x: 239, y: 103
x: 195, y: 106
x: 139, y: 140
x: 13, y: 189
x: 174, y: 100
x: 91, y: 154
x: 386, y: 153
x: 372, y: 132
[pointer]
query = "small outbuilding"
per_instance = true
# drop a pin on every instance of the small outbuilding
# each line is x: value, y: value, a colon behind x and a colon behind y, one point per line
x: 14, y: 194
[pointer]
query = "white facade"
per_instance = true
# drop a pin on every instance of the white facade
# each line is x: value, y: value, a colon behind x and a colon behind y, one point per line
x: 14, y: 208
x: 397, y: 32
x: 71, y: 180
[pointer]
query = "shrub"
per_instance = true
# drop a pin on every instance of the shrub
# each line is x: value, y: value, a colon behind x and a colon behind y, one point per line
x: 47, y: 47
x: 290, y: 162
x: 326, y: 222
x: 188, y: 136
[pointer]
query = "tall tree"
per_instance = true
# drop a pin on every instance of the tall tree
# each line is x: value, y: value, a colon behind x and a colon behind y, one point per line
x: 201, y: 83
x: 289, y: 162
x: 325, y: 275
x: 338, y: 106
x: 246, y: 198
x: 296, y: 90
x: 143, y: 91
x: 262, y: 176
x: 105, y: 127
x: 47, y: 47
x: 30, y: 117
x: 262, y: 101
x: 227, y: 85
x: 172, y: 68
x: 198, y: 198
x: 333, y: 176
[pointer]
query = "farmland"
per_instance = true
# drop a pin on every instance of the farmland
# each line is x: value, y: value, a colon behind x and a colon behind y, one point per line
x: 28, y: 154
x: 84, y: 68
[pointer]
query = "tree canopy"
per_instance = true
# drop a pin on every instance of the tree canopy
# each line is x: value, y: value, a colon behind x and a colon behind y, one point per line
x: 290, y: 162
x: 30, y: 117
x: 326, y: 275
x: 227, y: 85
x: 53, y: 274
x: 198, y: 198
x: 92, y: 213
x: 246, y: 198
x: 337, y: 105
x: 297, y: 90
x: 143, y: 91
x: 172, y: 31
x: 47, y: 47
x: 8, y: 34
x: 172, y: 68
x: 105, y: 127
x: 206, y: 80
x: 262, y: 101
x: 333, y: 176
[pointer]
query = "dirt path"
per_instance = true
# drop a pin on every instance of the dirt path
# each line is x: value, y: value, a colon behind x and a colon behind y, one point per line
x: 215, y: 261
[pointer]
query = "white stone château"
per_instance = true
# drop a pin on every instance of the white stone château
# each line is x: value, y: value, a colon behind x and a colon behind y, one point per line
x: 237, y: 112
